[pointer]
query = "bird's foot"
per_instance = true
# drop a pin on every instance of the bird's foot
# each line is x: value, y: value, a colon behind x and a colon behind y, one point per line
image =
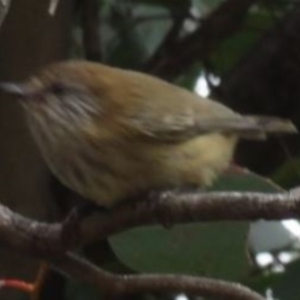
x: 70, y: 226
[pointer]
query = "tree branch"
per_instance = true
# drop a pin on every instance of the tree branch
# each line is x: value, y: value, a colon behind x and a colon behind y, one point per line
x: 220, y: 24
x: 134, y: 284
x: 172, y: 208
x: 47, y: 242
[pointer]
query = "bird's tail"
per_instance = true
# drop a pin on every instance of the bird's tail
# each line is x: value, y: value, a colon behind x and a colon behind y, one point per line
x: 253, y: 127
x: 261, y: 126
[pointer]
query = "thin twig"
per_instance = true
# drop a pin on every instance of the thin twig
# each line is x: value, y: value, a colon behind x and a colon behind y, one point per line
x: 117, y: 285
x: 4, y: 8
x: 53, y: 7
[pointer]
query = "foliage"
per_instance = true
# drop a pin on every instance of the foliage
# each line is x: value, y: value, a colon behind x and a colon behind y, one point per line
x: 143, y: 35
x: 131, y: 33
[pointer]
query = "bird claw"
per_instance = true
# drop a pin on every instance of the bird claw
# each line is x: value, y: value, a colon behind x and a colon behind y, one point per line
x: 70, y: 227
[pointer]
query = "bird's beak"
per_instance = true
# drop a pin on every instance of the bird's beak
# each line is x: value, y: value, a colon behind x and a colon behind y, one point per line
x: 18, y: 89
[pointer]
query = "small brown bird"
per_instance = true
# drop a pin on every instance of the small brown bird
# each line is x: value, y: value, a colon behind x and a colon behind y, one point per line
x: 109, y: 133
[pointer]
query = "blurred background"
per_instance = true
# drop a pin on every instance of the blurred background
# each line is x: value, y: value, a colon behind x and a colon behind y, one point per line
x: 244, y: 53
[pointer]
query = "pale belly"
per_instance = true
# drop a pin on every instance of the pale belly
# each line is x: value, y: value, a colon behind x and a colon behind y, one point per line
x: 117, y: 172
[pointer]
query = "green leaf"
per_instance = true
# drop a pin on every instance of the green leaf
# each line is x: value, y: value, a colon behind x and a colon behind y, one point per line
x: 260, y: 282
x: 171, y: 5
x: 191, y: 248
x: 81, y: 291
x: 284, y: 285
x: 288, y: 174
x: 131, y: 34
x: 122, y: 45
x: 206, y: 6
x: 232, y: 50
x: 239, y: 179
x: 189, y: 78
x: 212, y: 249
x: 287, y: 286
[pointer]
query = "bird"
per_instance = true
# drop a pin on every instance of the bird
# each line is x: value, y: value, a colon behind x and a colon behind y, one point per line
x: 109, y: 133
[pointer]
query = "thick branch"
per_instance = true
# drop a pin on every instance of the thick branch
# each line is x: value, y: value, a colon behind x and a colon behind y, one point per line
x: 172, y: 208
x: 43, y: 241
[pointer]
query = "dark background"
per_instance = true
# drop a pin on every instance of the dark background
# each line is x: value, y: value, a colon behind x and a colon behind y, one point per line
x: 252, y: 46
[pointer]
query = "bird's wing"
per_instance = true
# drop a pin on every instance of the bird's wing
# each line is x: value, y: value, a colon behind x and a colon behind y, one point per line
x: 158, y: 110
x: 190, y: 120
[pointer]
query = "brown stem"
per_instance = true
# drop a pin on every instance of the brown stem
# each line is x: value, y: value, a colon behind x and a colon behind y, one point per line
x: 194, y: 207
x: 44, y: 240
x: 135, y: 284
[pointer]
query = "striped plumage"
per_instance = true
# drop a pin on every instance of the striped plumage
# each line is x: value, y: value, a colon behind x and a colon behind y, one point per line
x: 108, y: 133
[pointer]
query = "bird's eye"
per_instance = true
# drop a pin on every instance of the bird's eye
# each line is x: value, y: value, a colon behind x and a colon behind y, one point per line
x: 57, y: 88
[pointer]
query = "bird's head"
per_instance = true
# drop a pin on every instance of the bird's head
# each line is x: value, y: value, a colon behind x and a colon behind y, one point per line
x: 60, y: 92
